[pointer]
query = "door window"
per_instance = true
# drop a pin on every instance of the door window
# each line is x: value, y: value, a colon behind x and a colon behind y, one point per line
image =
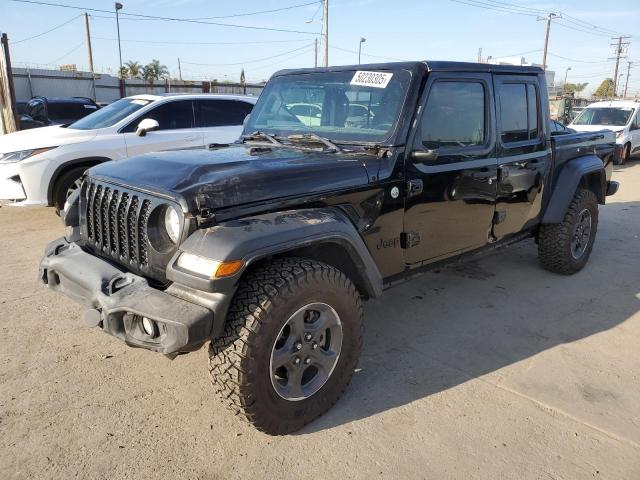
x: 219, y: 113
x: 635, y: 125
x: 519, y: 119
x: 170, y: 116
x: 454, y: 116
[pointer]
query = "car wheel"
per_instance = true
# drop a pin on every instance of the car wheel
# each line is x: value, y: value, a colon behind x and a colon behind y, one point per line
x: 565, y: 247
x: 68, y: 182
x: 626, y: 153
x: 290, y: 345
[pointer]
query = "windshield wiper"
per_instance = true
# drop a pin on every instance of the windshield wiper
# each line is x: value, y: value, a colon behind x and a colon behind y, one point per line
x: 258, y: 134
x: 312, y: 137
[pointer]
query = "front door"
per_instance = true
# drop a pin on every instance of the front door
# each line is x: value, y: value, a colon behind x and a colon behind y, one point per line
x: 177, y: 129
x: 524, y: 158
x: 451, y: 168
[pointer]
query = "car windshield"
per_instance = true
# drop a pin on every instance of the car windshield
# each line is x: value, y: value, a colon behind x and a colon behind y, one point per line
x: 613, y: 116
x: 111, y: 114
x: 348, y: 106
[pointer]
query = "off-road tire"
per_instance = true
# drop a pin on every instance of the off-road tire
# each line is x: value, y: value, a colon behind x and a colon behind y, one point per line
x: 62, y: 186
x: 554, y: 240
x: 240, y: 359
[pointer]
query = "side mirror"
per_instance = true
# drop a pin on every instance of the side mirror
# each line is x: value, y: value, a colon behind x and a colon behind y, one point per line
x: 147, y: 125
x: 421, y: 156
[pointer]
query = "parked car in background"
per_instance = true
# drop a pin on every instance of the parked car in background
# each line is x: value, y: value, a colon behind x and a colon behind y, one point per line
x: 21, y: 106
x: 621, y: 116
x: 46, y: 111
x: 44, y: 166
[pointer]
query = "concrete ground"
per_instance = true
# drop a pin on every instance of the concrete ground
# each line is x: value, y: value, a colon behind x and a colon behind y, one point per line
x: 491, y: 369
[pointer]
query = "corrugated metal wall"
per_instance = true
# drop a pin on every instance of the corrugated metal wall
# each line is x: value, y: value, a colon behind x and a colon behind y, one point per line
x: 54, y: 83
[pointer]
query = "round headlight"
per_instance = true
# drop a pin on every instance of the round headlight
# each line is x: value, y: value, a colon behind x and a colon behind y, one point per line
x: 172, y: 224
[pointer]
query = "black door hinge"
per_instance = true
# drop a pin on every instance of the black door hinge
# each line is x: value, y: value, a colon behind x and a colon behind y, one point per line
x: 409, y: 239
x: 414, y: 187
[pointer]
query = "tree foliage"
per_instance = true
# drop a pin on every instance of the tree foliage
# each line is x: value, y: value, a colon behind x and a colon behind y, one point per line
x: 574, y: 87
x: 605, y: 89
x: 154, y: 70
x: 133, y: 69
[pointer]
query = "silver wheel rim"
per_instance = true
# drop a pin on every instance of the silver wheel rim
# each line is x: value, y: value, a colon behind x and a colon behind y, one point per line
x: 306, y: 351
x: 74, y: 186
x: 581, y: 234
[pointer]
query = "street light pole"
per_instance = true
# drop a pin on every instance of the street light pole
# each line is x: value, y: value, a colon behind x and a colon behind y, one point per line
x: 119, y: 7
x: 362, y: 40
x: 565, y: 75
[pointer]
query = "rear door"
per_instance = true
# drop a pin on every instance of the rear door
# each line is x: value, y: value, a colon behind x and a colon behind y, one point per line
x: 220, y: 121
x: 451, y: 168
x: 634, y: 133
x: 524, y: 156
x: 177, y: 129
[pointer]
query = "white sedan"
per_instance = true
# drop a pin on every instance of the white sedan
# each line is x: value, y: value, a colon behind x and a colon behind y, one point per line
x: 43, y: 166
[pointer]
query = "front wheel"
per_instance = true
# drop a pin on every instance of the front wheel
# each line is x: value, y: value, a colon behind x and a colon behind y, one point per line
x: 565, y: 247
x: 70, y: 181
x: 290, y: 346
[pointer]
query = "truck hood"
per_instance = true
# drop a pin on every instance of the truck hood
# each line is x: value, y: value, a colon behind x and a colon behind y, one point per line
x: 237, y: 175
x: 53, y: 136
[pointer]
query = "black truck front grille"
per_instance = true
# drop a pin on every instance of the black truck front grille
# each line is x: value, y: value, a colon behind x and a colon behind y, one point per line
x: 116, y: 223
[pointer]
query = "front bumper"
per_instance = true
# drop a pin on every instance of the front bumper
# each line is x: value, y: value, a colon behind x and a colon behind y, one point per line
x: 11, y: 188
x: 117, y: 301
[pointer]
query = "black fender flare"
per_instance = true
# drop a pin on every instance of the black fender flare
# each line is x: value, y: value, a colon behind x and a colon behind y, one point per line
x: 78, y: 162
x: 588, y: 170
x: 251, y: 239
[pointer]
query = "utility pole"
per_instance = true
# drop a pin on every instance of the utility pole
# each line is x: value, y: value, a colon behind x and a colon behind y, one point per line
x: 15, y: 125
x: 179, y: 69
x: 619, y: 50
x: 315, y: 53
x: 90, y: 53
x: 548, y: 18
x: 325, y: 32
x: 480, y: 55
x: 626, y: 85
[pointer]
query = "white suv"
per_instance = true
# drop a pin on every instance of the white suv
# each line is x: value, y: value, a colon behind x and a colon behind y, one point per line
x: 621, y: 116
x: 43, y: 166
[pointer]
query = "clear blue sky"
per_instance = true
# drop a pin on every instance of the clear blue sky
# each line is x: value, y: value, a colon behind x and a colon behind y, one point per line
x: 409, y: 29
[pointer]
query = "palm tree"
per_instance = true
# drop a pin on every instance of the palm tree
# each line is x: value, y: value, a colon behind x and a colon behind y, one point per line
x: 154, y: 70
x: 134, y: 69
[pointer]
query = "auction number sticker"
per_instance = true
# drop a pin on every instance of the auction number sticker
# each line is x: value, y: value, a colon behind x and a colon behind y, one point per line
x: 371, y: 79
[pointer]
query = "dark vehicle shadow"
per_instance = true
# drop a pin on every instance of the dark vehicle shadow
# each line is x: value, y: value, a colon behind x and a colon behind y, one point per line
x: 467, y: 320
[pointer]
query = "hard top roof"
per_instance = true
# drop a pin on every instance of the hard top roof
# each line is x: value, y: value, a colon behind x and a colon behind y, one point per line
x: 431, y: 66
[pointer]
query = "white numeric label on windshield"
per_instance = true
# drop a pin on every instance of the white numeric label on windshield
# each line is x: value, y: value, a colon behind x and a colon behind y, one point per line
x: 371, y: 79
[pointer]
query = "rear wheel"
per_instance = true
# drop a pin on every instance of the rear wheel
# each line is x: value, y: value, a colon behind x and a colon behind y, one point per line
x: 565, y: 247
x: 68, y: 182
x: 290, y: 346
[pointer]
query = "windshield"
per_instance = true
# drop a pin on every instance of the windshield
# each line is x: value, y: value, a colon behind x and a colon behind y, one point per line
x: 111, y: 114
x: 613, y: 116
x: 345, y: 106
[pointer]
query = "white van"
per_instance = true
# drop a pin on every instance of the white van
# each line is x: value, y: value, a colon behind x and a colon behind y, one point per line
x: 621, y: 116
x: 42, y: 166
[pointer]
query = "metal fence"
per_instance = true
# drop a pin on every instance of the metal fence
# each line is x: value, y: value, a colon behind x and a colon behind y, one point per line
x: 106, y: 88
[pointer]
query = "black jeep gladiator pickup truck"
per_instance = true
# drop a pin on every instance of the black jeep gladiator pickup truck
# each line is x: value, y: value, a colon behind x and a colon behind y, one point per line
x: 345, y: 181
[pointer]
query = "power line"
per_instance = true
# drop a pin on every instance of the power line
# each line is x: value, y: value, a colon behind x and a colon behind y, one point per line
x: 48, y: 31
x: 157, y: 42
x: 168, y: 19
x: 247, y: 61
x: 291, y: 7
x: 366, y: 54
x: 580, y: 61
x: 53, y: 62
